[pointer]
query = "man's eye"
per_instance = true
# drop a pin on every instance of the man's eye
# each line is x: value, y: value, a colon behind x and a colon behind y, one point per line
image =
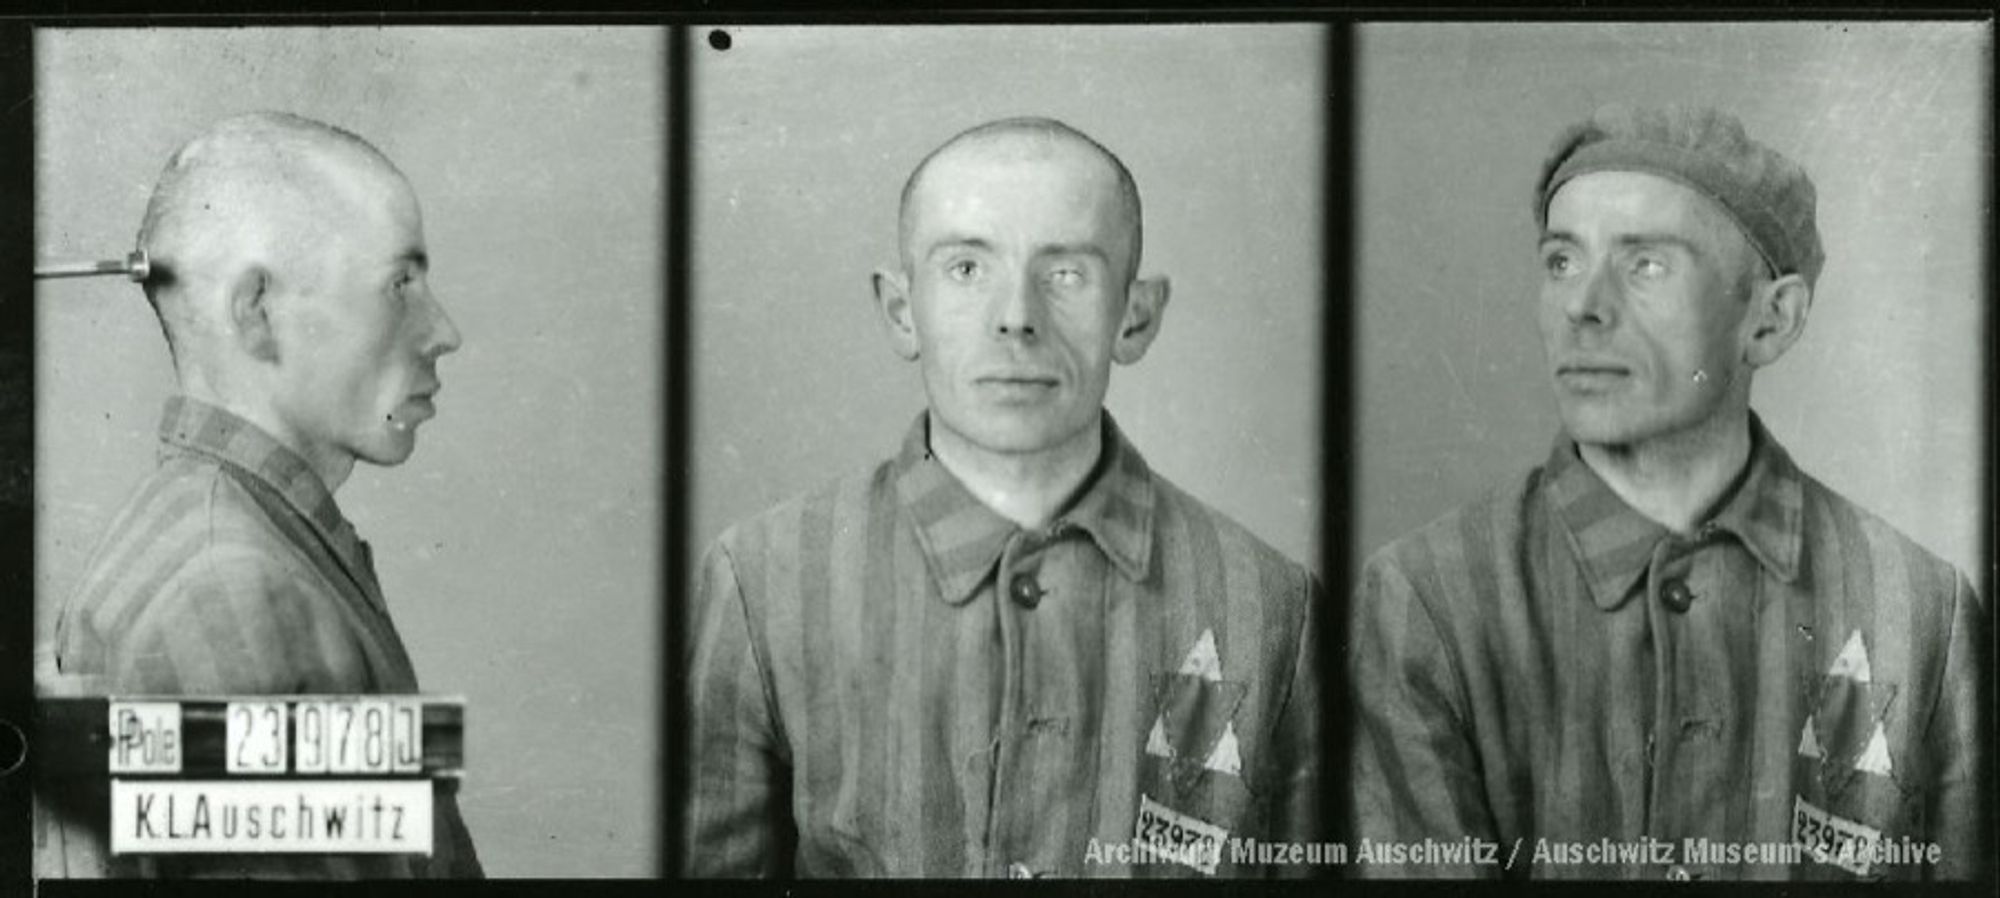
x: 963, y: 270
x: 1649, y: 268
x: 1067, y: 277
x: 1560, y: 264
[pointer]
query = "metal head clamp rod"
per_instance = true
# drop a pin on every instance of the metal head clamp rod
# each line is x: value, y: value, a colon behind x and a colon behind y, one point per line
x: 135, y: 266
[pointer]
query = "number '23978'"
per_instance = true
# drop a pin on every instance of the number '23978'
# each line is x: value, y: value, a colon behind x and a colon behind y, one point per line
x: 326, y: 737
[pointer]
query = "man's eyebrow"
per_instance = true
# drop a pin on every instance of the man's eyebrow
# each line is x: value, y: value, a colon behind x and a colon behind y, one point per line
x: 1644, y: 238
x: 1073, y: 249
x: 1660, y: 238
x: 957, y: 241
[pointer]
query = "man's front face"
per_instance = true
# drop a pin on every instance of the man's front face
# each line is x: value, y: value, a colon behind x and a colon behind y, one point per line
x: 1643, y: 307
x: 1018, y: 266
x: 359, y: 370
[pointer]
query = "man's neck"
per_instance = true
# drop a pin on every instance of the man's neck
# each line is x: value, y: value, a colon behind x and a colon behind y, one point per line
x: 1675, y: 481
x: 1028, y: 488
x: 331, y: 466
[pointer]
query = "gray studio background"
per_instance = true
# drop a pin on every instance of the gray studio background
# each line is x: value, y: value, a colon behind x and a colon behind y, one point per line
x: 1881, y: 398
x: 802, y: 139
x: 518, y: 548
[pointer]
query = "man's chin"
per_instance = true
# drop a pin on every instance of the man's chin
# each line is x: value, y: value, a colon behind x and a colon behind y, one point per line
x: 390, y: 450
x: 1021, y: 437
x: 1601, y: 427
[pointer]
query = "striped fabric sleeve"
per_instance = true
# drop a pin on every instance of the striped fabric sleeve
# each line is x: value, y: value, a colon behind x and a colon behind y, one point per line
x: 1957, y: 741
x: 1297, y: 742
x: 1414, y: 771
x: 738, y: 812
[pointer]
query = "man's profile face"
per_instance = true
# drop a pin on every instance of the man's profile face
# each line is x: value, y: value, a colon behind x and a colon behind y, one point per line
x: 359, y: 343
x: 1018, y: 264
x: 1644, y: 284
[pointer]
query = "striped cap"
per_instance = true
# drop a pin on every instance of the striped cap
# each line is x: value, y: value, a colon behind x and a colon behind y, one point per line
x: 1768, y: 196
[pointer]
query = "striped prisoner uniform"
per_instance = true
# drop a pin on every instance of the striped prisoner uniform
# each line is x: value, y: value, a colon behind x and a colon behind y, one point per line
x: 890, y: 679
x: 1547, y: 668
x: 232, y: 572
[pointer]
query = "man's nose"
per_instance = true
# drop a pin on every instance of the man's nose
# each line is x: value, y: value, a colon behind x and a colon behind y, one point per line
x: 444, y: 336
x: 1595, y: 298
x: 1019, y: 307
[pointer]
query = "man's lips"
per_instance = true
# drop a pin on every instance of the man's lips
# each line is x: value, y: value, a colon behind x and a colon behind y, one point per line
x: 1584, y: 364
x: 1016, y: 387
x: 1591, y: 373
x: 416, y: 407
x: 1018, y: 379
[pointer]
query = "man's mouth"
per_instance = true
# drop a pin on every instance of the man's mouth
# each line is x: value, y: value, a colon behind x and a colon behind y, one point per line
x: 415, y: 408
x: 1018, y: 379
x: 1591, y: 373
x: 1017, y: 386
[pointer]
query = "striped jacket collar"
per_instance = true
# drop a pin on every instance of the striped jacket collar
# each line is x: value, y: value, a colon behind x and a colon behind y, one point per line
x: 195, y: 426
x: 962, y: 539
x: 1613, y: 542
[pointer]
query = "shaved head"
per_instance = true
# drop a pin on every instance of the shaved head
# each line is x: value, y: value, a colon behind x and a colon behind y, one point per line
x: 291, y: 276
x: 264, y: 189
x: 1024, y: 138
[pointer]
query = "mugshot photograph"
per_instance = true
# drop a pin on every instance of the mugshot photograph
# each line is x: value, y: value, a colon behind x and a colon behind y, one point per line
x: 1004, y: 452
x: 1720, y: 609
x: 375, y: 415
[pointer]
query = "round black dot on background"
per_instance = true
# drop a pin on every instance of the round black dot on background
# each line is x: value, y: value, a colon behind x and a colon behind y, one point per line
x: 719, y: 39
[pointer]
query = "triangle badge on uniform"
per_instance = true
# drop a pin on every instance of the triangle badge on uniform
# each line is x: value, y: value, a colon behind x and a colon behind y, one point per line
x: 1226, y: 758
x: 1853, y: 660
x: 1875, y: 758
x: 1156, y: 743
x: 1809, y: 742
x: 1202, y: 661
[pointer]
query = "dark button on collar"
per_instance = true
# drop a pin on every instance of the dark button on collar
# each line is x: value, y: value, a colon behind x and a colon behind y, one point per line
x: 1026, y: 592
x: 1677, y: 595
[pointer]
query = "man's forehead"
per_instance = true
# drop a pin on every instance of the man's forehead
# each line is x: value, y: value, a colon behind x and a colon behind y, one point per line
x: 1635, y: 199
x: 1062, y: 188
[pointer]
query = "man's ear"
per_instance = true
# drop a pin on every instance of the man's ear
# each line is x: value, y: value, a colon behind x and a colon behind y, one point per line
x: 1145, y: 305
x: 1778, y: 311
x: 892, y: 300
x: 248, y: 305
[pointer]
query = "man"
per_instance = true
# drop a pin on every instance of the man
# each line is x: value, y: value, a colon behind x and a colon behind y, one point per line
x: 1668, y: 652
x: 288, y: 273
x: 1013, y: 649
